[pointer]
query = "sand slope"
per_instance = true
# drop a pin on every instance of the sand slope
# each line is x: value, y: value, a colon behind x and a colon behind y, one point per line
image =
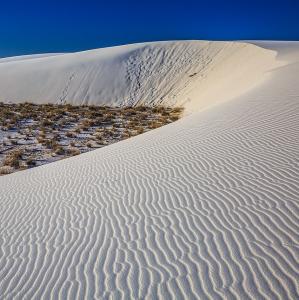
x: 204, y: 208
x: 169, y: 73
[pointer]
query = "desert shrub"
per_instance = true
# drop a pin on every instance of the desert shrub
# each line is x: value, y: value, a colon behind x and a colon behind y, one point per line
x: 4, y: 170
x: 141, y: 108
x: 89, y: 144
x: 59, y: 150
x: 13, y: 159
x: 41, y: 140
x: 83, y: 128
x: 46, y: 122
x: 72, y: 119
x: 154, y: 125
x: 56, y: 137
x: 139, y: 130
x: 158, y: 109
x: 42, y: 133
x: 98, y: 136
x: 92, y: 107
x: 70, y: 134
x: 72, y: 151
x: 77, y: 130
x: 174, y: 118
x: 50, y: 143
x: 30, y: 162
x: 126, y: 134
x: 87, y: 123
x: 132, y: 124
x: 177, y: 110
x: 62, y: 122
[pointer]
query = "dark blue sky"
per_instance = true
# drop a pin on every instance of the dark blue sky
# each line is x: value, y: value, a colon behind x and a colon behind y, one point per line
x: 62, y: 26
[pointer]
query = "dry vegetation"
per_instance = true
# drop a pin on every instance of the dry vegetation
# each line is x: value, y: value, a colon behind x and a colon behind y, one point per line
x: 32, y: 135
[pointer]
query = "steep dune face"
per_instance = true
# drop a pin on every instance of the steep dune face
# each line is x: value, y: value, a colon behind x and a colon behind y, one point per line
x: 190, y: 73
x: 204, y: 208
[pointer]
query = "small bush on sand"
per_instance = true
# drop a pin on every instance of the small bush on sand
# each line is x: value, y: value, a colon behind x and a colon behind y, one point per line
x: 46, y: 122
x: 89, y: 144
x: 158, y: 109
x: 30, y: 162
x: 87, y: 123
x: 59, y: 150
x: 4, y: 170
x: 50, y: 143
x: 13, y: 159
x: 174, y: 118
x: 139, y: 130
x: 154, y: 125
x: 72, y: 151
x: 177, y: 110
x: 70, y: 134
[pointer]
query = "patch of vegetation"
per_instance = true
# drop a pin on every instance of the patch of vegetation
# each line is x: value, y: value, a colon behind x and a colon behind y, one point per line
x: 32, y: 135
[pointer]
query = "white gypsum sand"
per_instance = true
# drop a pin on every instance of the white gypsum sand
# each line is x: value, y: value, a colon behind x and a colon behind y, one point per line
x: 204, y: 208
x: 190, y: 73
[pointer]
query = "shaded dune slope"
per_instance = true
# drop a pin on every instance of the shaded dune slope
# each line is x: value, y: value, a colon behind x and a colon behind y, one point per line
x: 204, y: 208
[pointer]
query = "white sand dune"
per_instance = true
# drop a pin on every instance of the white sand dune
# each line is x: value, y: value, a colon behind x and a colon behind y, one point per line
x: 169, y: 73
x: 204, y: 208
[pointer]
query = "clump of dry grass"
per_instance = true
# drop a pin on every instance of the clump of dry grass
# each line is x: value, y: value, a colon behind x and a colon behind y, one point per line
x: 139, y: 130
x: 12, y: 159
x: 59, y: 150
x: 70, y: 134
x: 4, y: 170
x: 77, y: 130
x: 50, y: 143
x: 30, y: 162
x: 72, y: 151
x: 89, y: 144
x: 154, y: 125
x: 46, y: 122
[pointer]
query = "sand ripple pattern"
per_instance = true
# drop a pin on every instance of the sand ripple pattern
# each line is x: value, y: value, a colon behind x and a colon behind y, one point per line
x: 204, y: 208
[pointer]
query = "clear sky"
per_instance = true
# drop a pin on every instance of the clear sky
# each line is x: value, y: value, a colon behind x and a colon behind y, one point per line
x: 29, y: 26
